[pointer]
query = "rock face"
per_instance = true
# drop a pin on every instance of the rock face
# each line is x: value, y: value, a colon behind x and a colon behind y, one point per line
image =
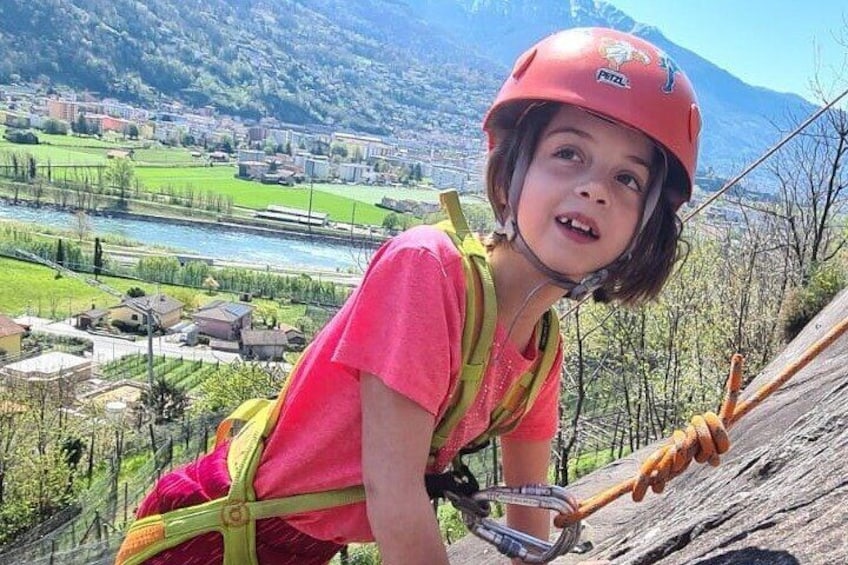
x: 779, y: 497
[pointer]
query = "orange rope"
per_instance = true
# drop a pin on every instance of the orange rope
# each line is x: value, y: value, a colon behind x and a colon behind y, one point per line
x: 704, y: 439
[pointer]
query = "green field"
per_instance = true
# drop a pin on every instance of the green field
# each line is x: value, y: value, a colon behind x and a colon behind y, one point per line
x: 255, y: 195
x: 61, y: 150
x: 159, y: 167
x: 373, y: 194
x: 34, y: 288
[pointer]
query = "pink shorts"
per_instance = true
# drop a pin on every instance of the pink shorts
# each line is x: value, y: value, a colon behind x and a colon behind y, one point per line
x: 207, y: 479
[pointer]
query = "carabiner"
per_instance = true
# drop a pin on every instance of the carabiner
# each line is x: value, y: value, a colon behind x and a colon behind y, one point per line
x: 508, y: 541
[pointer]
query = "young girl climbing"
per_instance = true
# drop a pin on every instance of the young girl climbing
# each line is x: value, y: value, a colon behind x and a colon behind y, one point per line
x: 592, y: 149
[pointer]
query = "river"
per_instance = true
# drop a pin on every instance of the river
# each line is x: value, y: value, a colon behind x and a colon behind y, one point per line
x: 222, y: 245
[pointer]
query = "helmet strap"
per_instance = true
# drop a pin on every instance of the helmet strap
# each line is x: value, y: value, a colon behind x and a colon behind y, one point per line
x: 508, y: 227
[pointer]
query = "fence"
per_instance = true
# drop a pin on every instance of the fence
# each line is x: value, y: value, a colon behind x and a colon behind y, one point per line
x: 90, y: 531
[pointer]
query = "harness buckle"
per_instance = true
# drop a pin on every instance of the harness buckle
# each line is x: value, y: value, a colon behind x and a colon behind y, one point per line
x: 235, y: 514
x: 475, y: 510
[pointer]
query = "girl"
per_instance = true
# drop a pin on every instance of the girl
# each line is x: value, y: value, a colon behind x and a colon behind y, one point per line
x: 592, y: 149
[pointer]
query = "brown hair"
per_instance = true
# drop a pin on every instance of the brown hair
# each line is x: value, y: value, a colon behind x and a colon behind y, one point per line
x: 631, y: 281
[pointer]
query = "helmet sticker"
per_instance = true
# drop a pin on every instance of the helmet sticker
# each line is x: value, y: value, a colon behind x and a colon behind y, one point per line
x: 617, y: 54
x: 670, y: 67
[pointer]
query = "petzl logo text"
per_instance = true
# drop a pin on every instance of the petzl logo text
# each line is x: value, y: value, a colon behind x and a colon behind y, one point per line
x: 614, y: 78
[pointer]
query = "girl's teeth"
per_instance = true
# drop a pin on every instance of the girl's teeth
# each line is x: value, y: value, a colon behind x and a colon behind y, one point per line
x: 580, y: 225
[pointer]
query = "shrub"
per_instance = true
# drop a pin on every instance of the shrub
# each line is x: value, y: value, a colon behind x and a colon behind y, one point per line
x: 23, y: 137
x: 135, y: 292
x: 802, y: 304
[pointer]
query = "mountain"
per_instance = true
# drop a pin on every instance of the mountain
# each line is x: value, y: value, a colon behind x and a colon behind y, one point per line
x: 402, y: 67
x: 740, y: 120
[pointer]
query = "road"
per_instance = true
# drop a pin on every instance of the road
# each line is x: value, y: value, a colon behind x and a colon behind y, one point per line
x: 109, y: 348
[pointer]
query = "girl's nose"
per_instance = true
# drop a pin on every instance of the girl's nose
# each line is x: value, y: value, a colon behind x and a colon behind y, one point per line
x: 594, y: 190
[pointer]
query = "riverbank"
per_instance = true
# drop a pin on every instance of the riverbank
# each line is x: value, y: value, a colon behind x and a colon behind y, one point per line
x: 343, y: 234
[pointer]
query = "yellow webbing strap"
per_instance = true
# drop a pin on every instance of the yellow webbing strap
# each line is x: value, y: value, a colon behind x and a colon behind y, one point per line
x: 480, y: 316
x: 233, y: 516
x: 241, y: 414
x: 522, y: 394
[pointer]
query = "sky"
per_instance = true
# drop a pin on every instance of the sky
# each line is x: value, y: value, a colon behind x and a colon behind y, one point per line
x: 777, y: 44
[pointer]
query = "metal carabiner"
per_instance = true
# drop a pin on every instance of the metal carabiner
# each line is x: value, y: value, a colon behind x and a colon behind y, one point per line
x: 508, y: 541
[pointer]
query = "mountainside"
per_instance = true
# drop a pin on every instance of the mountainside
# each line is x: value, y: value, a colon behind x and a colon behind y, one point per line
x: 738, y: 118
x: 379, y: 66
x: 778, y: 497
x: 317, y: 61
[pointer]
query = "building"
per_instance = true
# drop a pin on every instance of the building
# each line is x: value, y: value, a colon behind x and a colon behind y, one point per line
x: 352, y: 172
x: 91, y: 318
x: 62, y: 110
x: 316, y: 168
x: 450, y: 177
x: 250, y: 155
x: 223, y: 320
x: 132, y: 312
x: 55, y: 374
x: 263, y: 345
x: 10, y: 337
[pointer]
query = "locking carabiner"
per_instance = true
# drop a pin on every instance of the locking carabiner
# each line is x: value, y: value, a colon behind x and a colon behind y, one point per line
x: 475, y: 510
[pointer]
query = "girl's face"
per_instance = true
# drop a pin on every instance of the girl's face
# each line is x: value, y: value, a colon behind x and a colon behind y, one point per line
x: 584, y: 192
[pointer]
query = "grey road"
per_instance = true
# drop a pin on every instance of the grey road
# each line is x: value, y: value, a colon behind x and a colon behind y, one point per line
x: 108, y: 348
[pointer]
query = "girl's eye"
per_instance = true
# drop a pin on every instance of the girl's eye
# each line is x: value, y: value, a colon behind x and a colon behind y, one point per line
x: 567, y: 153
x: 630, y: 181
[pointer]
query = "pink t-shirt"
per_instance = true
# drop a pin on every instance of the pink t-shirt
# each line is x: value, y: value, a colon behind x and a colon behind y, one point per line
x: 404, y: 325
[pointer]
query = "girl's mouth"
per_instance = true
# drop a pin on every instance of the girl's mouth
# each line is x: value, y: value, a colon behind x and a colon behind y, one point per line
x: 579, y: 227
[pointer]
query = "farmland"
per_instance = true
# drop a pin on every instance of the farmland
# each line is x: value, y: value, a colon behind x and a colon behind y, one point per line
x: 34, y: 288
x: 159, y: 168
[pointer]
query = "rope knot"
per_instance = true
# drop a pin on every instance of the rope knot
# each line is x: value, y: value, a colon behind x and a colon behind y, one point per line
x: 704, y: 439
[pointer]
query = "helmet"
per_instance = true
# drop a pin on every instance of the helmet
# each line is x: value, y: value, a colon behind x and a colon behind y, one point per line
x: 618, y: 76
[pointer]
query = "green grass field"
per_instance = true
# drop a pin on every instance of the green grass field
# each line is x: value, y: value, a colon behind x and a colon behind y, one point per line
x: 159, y: 166
x: 373, y: 194
x: 72, y: 150
x: 34, y: 288
x: 255, y: 195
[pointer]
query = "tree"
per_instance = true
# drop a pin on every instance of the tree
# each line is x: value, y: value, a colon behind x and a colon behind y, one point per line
x: 135, y: 292
x: 391, y: 221
x: 210, y: 284
x: 80, y: 126
x: 81, y: 224
x: 120, y: 173
x: 132, y: 131
x: 239, y: 381
x: 60, y: 253
x: 98, y: 257
x: 55, y: 127
x: 268, y: 313
x: 165, y: 400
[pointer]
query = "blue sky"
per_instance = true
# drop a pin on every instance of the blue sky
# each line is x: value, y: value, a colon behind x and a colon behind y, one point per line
x: 771, y: 43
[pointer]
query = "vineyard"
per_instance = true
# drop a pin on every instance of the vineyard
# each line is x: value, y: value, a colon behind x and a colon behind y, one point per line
x: 185, y: 374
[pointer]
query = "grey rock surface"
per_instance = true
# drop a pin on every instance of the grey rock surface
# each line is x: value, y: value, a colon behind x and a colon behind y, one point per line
x: 779, y: 497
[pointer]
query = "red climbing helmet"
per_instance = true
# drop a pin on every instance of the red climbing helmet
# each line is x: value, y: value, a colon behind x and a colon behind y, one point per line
x: 616, y: 75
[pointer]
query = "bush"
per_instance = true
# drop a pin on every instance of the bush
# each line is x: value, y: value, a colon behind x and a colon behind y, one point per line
x: 22, y: 137
x: 135, y: 292
x: 55, y: 127
x: 802, y: 304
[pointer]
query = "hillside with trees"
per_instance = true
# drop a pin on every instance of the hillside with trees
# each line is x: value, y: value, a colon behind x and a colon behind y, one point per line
x: 376, y: 66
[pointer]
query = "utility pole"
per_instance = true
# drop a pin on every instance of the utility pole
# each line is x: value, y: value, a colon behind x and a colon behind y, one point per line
x: 149, y: 316
x: 309, y: 215
x: 352, y: 220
